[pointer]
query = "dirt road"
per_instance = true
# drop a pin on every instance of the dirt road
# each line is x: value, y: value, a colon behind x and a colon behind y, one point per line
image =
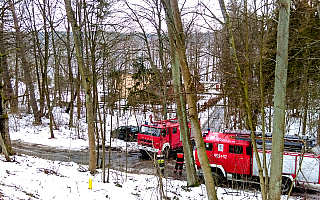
x: 130, y: 161
x: 123, y: 161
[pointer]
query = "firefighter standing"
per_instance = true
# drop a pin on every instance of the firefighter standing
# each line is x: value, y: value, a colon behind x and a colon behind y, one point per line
x: 160, y: 159
x: 179, y: 163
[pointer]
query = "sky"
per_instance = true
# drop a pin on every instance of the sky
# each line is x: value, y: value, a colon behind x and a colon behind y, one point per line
x: 28, y: 177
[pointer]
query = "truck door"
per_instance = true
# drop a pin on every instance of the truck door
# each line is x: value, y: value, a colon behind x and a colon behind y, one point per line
x: 175, y: 137
x: 164, y: 137
x: 238, y: 160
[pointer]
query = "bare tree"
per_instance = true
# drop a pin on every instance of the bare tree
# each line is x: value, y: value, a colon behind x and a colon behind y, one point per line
x: 244, y: 93
x: 174, y: 24
x: 279, y: 100
x: 5, y: 141
x: 7, y: 86
x: 45, y: 86
x: 26, y: 65
x: 86, y: 77
x: 156, y: 56
x: 192, y: 179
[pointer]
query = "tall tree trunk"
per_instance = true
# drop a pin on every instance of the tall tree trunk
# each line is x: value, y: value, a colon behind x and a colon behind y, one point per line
x: 318, y: 129
x: 45, y: 87
x: 86, y: 83
x: 162, y: 62
x: 3, y: 145
x: 5, y: 142
x: 305, y: 97
x: 69, y: 53
x: 263, y: 99
x: 192, y: 179
x: 175, y: 25
x: 7, y: 86
x: 16, y: 75
x: 38, y: 57
x: 244, y: 94
x: 26, y: 66
x: 279, y: 100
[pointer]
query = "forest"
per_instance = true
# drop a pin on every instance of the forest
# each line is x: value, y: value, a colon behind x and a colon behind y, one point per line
x: 164, y: 57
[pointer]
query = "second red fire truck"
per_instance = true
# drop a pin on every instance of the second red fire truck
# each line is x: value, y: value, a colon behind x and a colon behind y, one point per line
x: 231, y: 158
x: 161, y: 136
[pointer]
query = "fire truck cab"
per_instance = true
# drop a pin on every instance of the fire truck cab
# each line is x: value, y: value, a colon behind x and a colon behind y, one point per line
x: 227, y: 155
x: 161, y: 135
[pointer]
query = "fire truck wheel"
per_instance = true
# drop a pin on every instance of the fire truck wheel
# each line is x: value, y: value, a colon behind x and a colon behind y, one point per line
x: 285, y: 185
x: 144, y: 155
x: 201, y: 179
x: 218, y: 177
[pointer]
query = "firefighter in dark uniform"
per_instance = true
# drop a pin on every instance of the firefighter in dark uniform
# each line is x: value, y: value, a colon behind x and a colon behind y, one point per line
x: 179, y: 163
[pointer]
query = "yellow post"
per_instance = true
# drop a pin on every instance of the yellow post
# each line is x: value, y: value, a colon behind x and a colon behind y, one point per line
x: 90, y: 184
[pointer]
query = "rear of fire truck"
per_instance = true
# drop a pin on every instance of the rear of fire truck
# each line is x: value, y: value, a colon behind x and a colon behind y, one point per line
x: 231, y: 157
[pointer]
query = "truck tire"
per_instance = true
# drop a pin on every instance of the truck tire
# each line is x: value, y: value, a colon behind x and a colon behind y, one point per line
x: 285, y: 185
x: 144, y: 154
x: 201, y: 179
x: 218, y: 176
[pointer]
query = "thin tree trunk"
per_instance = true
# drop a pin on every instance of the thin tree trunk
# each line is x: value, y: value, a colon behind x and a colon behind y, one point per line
x: 175, y: 25
x: 71, y: 103
x: 192, y: 179
x: 7, y: 90
x: 26, y: 66
x: 87, y: 85
x: 305, y: 98
x: 16, y: 75
x: 279, y: 100
x: 244, y: 94
x: 263, y: 101
x: 318, y: 129
x: 38, y: 59
x: 3, y: 145
x: 45, y: 87
x: 5, y: 142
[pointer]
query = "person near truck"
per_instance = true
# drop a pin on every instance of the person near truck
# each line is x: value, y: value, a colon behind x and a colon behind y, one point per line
x: 179, y: 163
x: 160, y: 159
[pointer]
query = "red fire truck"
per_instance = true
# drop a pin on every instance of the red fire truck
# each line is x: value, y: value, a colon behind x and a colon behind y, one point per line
x: 161, y: 135
x: 231, y: 158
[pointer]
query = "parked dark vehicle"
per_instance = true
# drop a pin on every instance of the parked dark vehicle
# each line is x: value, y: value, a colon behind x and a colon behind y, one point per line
x: 128, y: 133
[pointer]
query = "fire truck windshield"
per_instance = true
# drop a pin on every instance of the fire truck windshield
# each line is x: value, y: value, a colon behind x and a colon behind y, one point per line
x: 150, y: 131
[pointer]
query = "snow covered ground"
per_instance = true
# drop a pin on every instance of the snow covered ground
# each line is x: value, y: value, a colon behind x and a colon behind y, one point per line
x: 32, y: 178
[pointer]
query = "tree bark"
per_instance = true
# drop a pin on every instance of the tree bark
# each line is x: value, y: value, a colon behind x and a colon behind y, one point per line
x: 279, y: 100
x: 263, y: 101
x: 86, y: 77
x: 318, y: 129
x: 45, y: 87
x: 26, y: 66
x: 5, y: 142
x: 192, y: 179
x: 175, y: 25
x: 71, y: 79
x: 7, y: 86
x: 244, y: 94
